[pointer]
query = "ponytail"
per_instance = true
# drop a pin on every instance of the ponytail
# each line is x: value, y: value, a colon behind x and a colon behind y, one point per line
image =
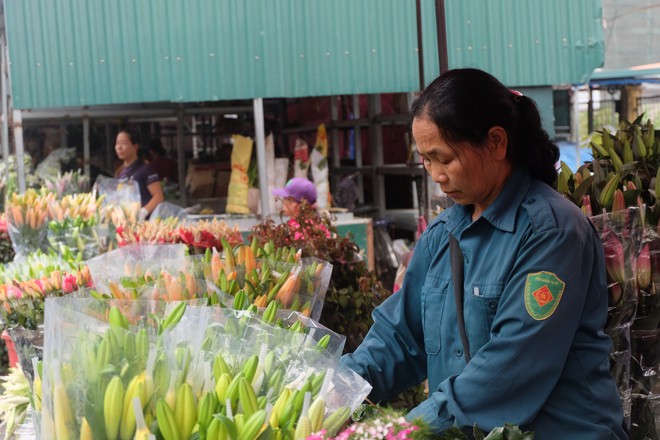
x: 532, y: 147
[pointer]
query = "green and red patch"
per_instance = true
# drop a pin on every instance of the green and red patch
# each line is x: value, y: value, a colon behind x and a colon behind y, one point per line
x: 543, y: 291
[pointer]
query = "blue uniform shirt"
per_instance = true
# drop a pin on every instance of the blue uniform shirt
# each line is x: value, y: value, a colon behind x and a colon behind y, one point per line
x: 535, y: 304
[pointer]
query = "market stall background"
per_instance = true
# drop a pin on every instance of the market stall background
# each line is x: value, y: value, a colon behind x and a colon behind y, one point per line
x: 110, y: 65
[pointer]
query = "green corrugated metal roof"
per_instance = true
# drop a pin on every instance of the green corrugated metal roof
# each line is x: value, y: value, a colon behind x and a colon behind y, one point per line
x: 89, y: 52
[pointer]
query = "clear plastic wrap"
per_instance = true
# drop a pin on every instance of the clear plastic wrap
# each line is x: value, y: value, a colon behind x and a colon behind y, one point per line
x: 165, y: 210
x: 135, y: 261
x: 297, y: 285
x: 27, y: 222
x: 100, y: 353
x: 632, y: 254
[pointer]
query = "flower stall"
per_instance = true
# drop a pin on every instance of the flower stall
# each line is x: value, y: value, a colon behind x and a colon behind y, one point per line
x: 619, y: 190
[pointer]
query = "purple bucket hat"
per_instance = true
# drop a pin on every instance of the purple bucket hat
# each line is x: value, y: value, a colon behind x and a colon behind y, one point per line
x: 298, y: 188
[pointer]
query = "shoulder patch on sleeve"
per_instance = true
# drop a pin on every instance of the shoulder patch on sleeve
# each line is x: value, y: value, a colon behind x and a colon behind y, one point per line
x: 543, y: 291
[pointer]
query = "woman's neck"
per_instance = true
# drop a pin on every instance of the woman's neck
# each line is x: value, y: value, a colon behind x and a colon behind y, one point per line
x: 129, y: 162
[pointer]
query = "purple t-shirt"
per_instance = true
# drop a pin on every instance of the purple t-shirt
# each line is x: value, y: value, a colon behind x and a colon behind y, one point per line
x: 143, y: 174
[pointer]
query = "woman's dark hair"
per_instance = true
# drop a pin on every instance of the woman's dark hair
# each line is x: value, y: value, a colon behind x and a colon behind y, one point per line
x: 133, y: 135
x: 156, y: 145
x: 466, y: 103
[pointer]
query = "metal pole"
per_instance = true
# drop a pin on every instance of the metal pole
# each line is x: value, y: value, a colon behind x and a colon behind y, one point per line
x: 181, y: 157
x: 87, y: 168
x: 441, y: 25
x: 260, y: 136
x: 3, y: 96
x: 20, y: 156
x: 109, y: 151
x: 420, y: 47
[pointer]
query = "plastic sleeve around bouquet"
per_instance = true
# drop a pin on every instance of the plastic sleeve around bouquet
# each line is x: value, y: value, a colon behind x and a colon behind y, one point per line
x: 182, y: 287
x: 135, y: 262
x: 117, y: 192
x: 303, y: 289
x: 632, y: 257
x: 84, y: 239
x: 26, y: 238
x: 84, y: 352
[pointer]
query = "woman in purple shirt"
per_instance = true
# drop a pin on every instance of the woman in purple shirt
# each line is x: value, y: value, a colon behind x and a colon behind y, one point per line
x: 151, y: 192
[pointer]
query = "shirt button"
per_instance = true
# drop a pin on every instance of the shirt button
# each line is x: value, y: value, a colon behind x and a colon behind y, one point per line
x: 530, y: 201
x: 458, y: 352
x: 492, y: 305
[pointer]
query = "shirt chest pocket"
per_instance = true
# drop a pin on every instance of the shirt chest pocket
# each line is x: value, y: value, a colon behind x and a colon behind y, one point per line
x: 433, y: 302
x: 480, y: 309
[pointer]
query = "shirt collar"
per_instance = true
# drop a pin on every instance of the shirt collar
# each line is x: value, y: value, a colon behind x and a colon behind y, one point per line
x: 502, y: 212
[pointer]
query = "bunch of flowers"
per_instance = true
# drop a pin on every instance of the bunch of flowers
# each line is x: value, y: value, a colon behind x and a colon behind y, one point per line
x: 69, y: 183
x: 387, y: 426
x: 375, y: 423
x: 25, y: 285
x: 27, y: 220
x: 135, y: 369
x: 621, y: 187
x: 354, y: 290
x: 9, y: 177
x: 6, y: 250
x: 197, y: 235
x: 158, y: 231
x: 208, y: 234
x: 73, y: 222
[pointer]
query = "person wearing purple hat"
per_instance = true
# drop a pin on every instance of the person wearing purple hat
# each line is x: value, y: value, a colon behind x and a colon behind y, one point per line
x: 295, y: 191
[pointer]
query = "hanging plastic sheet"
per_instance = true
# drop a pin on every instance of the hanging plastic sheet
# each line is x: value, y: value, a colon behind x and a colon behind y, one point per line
x: 632, y: 255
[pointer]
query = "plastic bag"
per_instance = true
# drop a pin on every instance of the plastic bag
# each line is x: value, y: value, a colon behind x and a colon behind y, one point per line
x: 27, y: 221
x: 632, y: 256
x: 166, y: 210
x: 135, y: 262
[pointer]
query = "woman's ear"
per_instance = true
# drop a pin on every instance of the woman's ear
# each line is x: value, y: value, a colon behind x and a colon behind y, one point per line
x: 497, y: 142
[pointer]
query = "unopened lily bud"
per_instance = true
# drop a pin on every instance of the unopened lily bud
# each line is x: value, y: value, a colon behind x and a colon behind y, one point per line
x: 586, y: 206
x: 614, y: 261
x: 615, y: 293
x: 644, y: 267
x: 619, y: 203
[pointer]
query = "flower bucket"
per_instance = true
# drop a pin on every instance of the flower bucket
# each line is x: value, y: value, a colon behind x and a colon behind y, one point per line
x: 11, y: 349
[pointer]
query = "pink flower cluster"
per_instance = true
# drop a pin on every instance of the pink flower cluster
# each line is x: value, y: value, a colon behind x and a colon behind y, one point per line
x: 26, y: 297
x: 387, y: 427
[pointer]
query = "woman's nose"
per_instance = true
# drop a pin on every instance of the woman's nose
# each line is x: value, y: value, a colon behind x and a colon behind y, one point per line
x: 438, y: 175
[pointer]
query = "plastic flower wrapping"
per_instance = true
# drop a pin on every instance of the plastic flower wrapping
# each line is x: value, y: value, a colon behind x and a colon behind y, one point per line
x: 26, y: 283
x: 130, y: 267
x: 632, y: 257
x: 198, y: 235
x: 155, y: 369
x: 73, y: 223
x: 69, y: 183
x: 231, y: 278
x: 27, y: 221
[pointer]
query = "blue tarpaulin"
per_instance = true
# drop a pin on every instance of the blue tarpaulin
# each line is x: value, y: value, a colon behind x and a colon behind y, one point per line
x: 572, y: 155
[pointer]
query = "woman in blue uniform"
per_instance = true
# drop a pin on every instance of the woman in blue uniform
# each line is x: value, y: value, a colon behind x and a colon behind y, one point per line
x: 526, y: 343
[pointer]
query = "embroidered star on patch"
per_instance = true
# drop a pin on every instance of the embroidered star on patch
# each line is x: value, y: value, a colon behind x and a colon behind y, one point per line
x: 543, y: 291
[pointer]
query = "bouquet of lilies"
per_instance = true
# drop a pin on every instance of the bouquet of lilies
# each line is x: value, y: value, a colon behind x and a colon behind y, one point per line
x: 73, y: 223
x: 197, y: 235
x: 27, y: 220
x: 152, y: 369
x: 259, y: 275
x: 6, y: 250
x: 69, y: 183
x: 26, y: 283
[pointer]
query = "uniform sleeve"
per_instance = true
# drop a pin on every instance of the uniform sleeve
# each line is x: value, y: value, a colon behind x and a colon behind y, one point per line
x: 150, y: 175
x: 392, y: 357
x: 510, y: 378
